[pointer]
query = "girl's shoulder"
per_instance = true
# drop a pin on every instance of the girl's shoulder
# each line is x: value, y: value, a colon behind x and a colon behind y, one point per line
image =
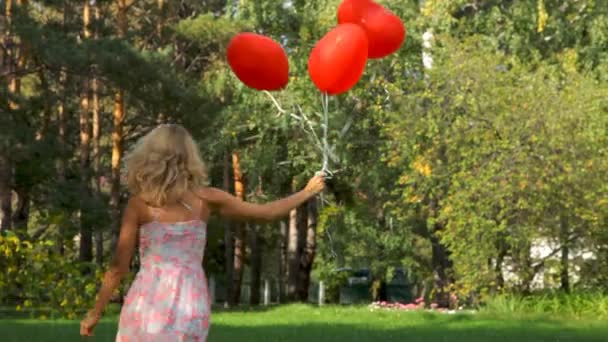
x: 212, y: 196
x: 138, y: 206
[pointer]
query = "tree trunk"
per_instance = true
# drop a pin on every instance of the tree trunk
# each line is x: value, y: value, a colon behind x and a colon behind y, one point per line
x: 310, y: 247
x: 46, y: 114
x: 160, y: 24
x: 62, y: 133
x: 6, y: 193
x: 117, y: 153
x: 565, y: 254
x: 282, y: 260
x: 21, y: 213
x: 441, y: 271
x: 96, y: 132
x: 228, y: 240
x: 502, y: 253
x: 117, y: 132
x: 239, y: 239
x: 97, y: 166
x: 14, y: 59
x: 23, y: 191
x: 62, y: 160
x: 86, y: 233
x: 257, y: 244
x: 440, y: 260
x: 161, y: 118
x: 293, y: 255
x: 6, y: 165
x: 302, y: 217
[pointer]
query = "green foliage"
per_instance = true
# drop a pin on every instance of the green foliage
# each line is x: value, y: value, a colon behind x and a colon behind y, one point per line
x: 498, y: 163
x: 36, y: 278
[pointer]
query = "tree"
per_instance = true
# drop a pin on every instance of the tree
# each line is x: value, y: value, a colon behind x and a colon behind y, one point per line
x: 240, y: 232
x: 96, y: 135
x: 309, y: 250
x: 86, y: 234
x: 228, y: 238
x: 117, y: 132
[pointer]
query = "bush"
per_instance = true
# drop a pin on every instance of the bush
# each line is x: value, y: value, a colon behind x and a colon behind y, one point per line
x: 36, y: 277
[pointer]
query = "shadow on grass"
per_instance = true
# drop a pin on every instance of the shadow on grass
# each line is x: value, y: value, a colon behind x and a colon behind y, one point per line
x: 427, y: 328
x: 423, y: 333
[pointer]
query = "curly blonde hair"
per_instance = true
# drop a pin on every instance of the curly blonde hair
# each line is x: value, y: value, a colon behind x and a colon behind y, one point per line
x: 164, y: 165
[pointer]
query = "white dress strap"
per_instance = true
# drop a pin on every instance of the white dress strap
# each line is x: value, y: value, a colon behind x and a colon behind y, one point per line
x: 186, y: 205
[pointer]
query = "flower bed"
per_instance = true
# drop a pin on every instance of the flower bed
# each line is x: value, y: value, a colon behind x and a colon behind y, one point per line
x: 417, y: 305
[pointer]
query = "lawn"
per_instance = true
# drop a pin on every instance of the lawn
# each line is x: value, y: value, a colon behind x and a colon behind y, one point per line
x: 308, y: 323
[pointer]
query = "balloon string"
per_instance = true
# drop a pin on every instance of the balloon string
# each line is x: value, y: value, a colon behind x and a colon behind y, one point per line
x: 307, y: 126
x: 325, y: 105
x: 325, y: 171
x: 275, y: 102
x: 322, y: 143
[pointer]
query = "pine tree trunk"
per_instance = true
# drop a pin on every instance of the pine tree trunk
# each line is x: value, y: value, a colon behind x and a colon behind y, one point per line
x: 96, y: 131
x: 46, y: 113
x: 97, y: 166
x: 62, y: 140
x: 14, y: 59
x: 256, y: 265
x: 23, y: 207
x: 117, y: 153
x: 86, y: 233
x: 239, y: 239
x: 302, y: 223
x: 282, y: 259
x: 21, y: 214
x: 293, y: 255
x: 161, y: 118
x: 6, y: 165
x: 117, y: 133
x: 310, y: 248
x: 62, y: 133
x: 228, y: 240
x: 6, y: 194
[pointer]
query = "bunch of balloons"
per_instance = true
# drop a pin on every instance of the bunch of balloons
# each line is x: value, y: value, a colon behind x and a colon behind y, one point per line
x: 365, y: 30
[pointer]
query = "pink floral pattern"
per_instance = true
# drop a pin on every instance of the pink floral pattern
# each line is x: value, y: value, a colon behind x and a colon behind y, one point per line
x: 169, y: 299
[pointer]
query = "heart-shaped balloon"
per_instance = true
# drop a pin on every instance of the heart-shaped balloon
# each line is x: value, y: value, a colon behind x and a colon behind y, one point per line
x: 258, y: 61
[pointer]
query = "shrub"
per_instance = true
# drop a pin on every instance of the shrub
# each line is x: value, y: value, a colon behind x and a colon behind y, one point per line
x: 36, y: 278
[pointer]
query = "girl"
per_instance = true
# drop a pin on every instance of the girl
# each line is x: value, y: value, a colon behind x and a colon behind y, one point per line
x: 169, y: 301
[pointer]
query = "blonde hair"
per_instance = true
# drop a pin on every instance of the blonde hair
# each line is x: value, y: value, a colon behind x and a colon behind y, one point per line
x: 164, y: 165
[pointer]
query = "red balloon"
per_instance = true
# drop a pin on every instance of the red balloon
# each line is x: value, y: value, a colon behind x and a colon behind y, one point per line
x: 338, y: 60
x: 258, y: 61
x: 385, y: 31
x: 351, y: 11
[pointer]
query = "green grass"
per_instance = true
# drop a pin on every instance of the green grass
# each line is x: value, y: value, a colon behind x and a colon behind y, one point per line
x: 577, y: 305
x: 307, y: 323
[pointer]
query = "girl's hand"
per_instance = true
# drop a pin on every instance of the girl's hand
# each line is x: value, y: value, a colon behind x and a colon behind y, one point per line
x: 315, y: 185
x: 88, y: 324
